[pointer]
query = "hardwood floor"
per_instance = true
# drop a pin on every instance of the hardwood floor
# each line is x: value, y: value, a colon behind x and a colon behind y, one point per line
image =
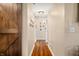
x: 41, y: 49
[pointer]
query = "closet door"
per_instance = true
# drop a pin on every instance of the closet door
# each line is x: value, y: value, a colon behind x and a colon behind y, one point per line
x: 10, y: 29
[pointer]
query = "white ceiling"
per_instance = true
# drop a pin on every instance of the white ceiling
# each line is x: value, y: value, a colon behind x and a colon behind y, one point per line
x: 36, y: 7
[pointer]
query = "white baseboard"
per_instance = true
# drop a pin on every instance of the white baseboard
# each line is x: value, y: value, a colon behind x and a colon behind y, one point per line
x: 51, y: 50
x: 32, y: 48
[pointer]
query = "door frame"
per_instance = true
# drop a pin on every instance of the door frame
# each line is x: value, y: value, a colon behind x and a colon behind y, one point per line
x: 19, y: 17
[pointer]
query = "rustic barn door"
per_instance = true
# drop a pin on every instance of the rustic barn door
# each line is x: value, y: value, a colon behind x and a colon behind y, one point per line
x: 10, y: 29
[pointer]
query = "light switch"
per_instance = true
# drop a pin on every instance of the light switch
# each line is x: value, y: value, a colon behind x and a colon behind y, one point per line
x: 71, y: 28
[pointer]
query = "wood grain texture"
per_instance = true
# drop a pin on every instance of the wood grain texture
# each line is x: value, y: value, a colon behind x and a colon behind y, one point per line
x: 41, y: 49
x: 10, y: 41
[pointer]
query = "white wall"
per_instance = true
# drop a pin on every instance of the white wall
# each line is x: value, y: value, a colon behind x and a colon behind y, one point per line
x: 28, y: 35
x: 24, y: 30
x: 62, y: 19
x: 31, y: 32
x: 71, y: 38
x: 56, y: 29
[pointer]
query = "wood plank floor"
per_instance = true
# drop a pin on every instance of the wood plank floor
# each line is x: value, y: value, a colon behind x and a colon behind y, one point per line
x: 41, y: 49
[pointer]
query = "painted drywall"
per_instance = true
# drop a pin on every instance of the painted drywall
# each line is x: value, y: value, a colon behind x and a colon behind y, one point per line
x: 30, y: 29
x: 56, y: 24
x: 71, y: 37
x: 24, y: 30
x: 28, y: 35
x: 63, y: 33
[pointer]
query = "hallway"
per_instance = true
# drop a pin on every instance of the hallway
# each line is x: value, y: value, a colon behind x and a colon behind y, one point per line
x: 41, y: 49
x: 39, y: 29
x: 44, y: 22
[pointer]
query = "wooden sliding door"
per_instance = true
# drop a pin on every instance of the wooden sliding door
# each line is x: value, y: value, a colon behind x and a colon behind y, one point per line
x: 10, y: 29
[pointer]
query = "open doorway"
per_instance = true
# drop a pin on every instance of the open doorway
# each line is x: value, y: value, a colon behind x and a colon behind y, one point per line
x: 40, y: 15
